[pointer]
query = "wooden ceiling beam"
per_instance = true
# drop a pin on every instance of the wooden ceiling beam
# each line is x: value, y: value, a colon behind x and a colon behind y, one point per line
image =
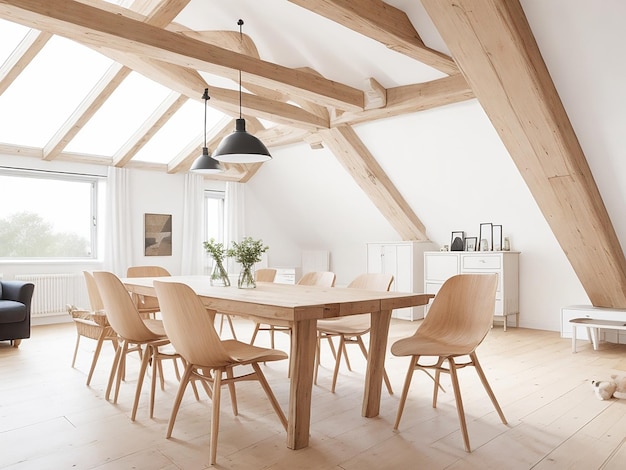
x: 493, y: 44
x: 369, y: 175
x: 383, y: 23
x: 23, y: 54
x: 101, y: 28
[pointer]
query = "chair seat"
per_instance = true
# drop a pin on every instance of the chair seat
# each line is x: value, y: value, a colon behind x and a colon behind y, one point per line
x: 420, y: 345
x: 245, y: 353
x: 155, y: 326
x: 351, y: 325
x: 12, y: 312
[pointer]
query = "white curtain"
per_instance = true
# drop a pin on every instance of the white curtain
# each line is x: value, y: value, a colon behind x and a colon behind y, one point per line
x: 234, y: 214
x: 193, y: 225
x: 118, y: 245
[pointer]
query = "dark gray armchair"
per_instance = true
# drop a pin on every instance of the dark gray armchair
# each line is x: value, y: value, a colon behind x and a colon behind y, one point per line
x: 15, y: 299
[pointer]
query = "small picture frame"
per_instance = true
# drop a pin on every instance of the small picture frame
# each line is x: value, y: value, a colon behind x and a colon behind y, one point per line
x: 497, y: 237
x: 486, y: 234
x: 470, y: 243
x: 157, y: 234
x: 456, y: 241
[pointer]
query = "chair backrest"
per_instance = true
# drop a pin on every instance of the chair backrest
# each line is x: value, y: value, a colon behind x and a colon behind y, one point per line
x: 95, y: 299
x: 120, y: 309
x: 147, y: 271
x: 265, y: 275
x: 318, y: 278
x: 372, y: 281
x: 189, y: 325
x: 461, y: 314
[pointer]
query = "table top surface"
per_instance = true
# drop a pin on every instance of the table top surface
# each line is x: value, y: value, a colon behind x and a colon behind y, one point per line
x: 292, y: 302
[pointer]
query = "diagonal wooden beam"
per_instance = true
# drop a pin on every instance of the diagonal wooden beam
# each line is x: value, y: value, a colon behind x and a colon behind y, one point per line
x: 496, y: 50
x: 101, y: 28
x: 363, y: 167
x: 383, y: 23
x: 23, y: 54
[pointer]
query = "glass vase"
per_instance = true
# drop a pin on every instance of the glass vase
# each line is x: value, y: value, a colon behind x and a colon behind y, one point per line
x: 246, y: 277
x: 219, y: 276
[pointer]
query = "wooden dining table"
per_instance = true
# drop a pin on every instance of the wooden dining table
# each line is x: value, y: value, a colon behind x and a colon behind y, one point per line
x: 301, y: 307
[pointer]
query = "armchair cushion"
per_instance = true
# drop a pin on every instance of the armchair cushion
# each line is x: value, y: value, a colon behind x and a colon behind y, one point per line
x: 15, y: 302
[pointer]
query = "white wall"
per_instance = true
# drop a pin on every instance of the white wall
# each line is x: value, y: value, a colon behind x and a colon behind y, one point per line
x: 453, y: 170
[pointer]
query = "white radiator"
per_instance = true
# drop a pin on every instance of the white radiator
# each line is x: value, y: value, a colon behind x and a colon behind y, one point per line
x: 54, y: 291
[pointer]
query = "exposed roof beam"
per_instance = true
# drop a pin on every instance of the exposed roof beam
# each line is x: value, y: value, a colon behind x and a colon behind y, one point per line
x: 101, y: 28
x: 368, y: 174
x: 413, y: 98
x: 23, y: 54
x: 383, y: 23
x: 496, y: 50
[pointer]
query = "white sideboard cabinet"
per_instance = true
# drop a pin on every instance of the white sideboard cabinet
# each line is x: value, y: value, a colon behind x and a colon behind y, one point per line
x: 405, y: 260
x: 440, y: 265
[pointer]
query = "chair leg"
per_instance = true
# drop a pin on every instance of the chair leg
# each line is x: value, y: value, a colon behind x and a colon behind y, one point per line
x: 483, y: 379
x: 254, y: 333
x: 157, y: 366
x: 76, y: 349
x: 114, y: 369
x: 215, y: 415
x: 230, y: 324
x: 459, y: 403
x: 96, y: 354
x: 342, y: 347
x: 272, y: 337
x: 270, y: 395
x: 359, y: 341
x: 179, y: 398
x: 345, y: 354
x: 233, y: 392
x: 405, y: 390
x: 318, y: 345
x: 436, y: 388
x: 147, y: 355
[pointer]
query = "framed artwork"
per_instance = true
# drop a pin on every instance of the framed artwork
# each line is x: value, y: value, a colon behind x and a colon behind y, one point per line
x: 456, y: 242
x: 497, y: 238
x: 486, y: 237
x: 157, y: 234
x: 470, y: 243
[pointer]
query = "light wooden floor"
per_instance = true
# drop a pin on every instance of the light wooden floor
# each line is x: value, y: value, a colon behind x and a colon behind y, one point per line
x: 49, y: 419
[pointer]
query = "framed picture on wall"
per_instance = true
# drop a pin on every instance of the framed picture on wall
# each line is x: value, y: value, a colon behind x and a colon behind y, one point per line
x: 157, y: 234
x: 470, y: 243
x: 485, y: 239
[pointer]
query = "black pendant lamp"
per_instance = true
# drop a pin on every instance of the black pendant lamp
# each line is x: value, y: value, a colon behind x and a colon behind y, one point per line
x: 241, y: 147
x: 205, y: 164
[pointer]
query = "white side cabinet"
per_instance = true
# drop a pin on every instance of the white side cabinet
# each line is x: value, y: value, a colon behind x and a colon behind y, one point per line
x: 405, y: 261
x: 440, y: 265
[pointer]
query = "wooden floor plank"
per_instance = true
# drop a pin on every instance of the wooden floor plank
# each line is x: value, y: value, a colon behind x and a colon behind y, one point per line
x: 50, y: 419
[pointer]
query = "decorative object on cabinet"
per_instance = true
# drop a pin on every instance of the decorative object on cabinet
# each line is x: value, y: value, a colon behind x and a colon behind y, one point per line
x: 470, y: 243
x: 486, y: 233
x: 158, y: 234
x: 439, y: 266
x: 506, y: 245
x: 456, y: 243
x: 405, y: 261
x: 497, y: 237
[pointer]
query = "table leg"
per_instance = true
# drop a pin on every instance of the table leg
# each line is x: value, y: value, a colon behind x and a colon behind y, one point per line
x: 376, y: 363
x: 303, y: 338
x: 573, y: 338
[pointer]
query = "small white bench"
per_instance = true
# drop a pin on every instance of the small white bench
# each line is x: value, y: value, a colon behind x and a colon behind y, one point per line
x: 592, y: 325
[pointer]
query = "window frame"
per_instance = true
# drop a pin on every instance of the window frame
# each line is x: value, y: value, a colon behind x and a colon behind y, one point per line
x: 95, y: 182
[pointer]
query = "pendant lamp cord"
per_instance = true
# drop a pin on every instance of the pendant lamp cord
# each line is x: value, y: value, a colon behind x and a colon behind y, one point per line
x: 240, y: 23
x: 206, y: 98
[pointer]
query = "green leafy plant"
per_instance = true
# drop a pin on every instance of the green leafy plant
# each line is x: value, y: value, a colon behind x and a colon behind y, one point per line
x: 216, y: 249
x: 248, y: 251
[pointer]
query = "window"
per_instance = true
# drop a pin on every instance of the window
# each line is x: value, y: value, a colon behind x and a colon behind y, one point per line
x: 214, y: 210
x: 47, y: 215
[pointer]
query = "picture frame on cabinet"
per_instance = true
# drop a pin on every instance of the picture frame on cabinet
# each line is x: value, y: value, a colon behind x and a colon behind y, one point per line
x: 470, y: 243
x: 486, y: 237
x: 497, y: 237
x: 456, y: 241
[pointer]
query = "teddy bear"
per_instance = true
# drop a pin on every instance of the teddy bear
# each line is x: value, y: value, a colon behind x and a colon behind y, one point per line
x: 614, y: 388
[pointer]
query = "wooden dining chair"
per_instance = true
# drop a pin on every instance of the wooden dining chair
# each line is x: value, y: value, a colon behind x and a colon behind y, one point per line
x: 146, y: 305
x: 92, y: 324
x: 459, y: 318
x: 132, y: 330
x: 313, y: 278
x: 352, y: 328
x: 208, y: 358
